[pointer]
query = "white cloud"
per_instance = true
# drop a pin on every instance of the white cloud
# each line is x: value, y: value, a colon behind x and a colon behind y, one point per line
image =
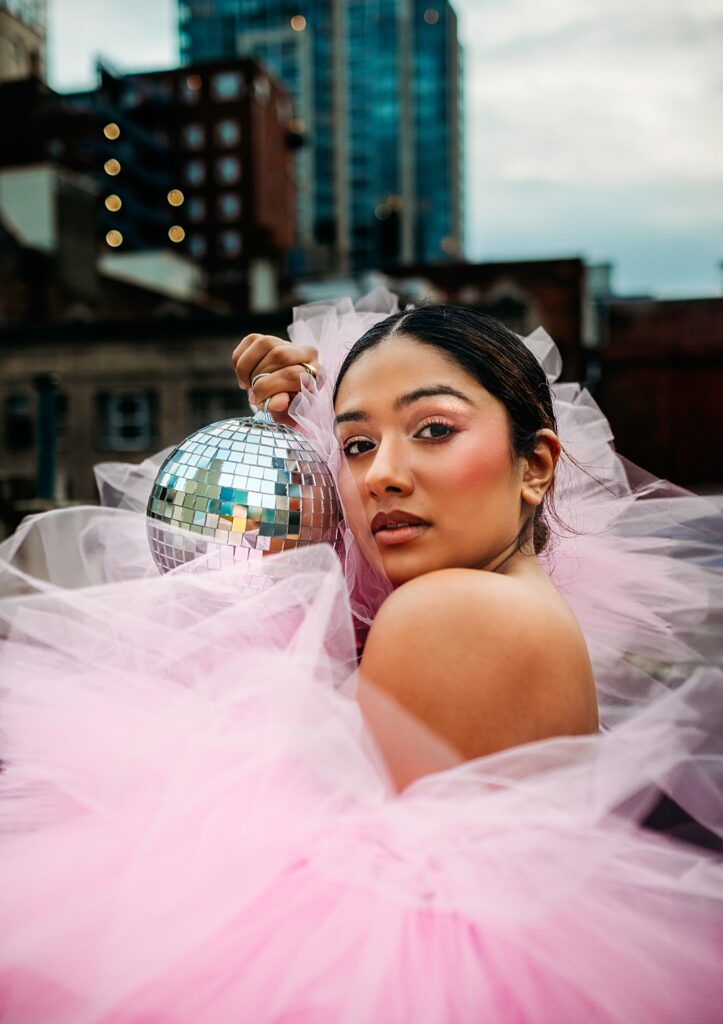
x: 596, y: 127
x: 133, y: 34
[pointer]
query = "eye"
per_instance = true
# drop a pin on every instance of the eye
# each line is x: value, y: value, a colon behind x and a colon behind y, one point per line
x: 435, y: 430
x: 357, y: 446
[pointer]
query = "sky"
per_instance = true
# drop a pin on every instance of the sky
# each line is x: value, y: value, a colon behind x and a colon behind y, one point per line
x: 592, y: 129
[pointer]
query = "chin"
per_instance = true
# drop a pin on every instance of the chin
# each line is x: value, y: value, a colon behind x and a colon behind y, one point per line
x: 402, y: 570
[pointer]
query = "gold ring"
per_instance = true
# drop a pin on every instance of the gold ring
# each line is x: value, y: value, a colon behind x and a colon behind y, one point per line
x: 311, y: 370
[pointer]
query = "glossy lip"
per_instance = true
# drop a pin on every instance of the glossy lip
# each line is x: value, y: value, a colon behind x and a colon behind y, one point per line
x: 401, y: 534
x: 396, y: 518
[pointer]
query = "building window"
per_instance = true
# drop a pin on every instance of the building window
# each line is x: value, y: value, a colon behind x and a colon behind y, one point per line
x: 194, y: 136
x: 195, y: 172
x: 229, y: 243
x: 228, y: 170
x: 228, y: 133
x: 191, y: 90
x: 213, y: 404
x: 228, y: 206
x: 283, y: 111
x: 196, y: 209
x: 197, y: 246
x: 262, y: 90
x: 126, y: 420
x: 227, y: 85
x: 19, y: 423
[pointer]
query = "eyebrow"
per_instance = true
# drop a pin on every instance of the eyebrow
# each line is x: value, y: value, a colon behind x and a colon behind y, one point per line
x: 357, y: 415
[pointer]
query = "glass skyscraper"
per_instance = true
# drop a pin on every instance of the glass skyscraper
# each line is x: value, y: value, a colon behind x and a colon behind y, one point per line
x: 377, y: 92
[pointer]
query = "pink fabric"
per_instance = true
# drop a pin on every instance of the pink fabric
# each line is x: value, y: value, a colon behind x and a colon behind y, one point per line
x: 197, y: 826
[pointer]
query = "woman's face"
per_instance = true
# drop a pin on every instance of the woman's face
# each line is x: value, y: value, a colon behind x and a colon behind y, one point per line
x: 428, y: 451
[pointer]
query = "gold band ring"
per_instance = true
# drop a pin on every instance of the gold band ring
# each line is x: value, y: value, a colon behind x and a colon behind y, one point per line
x: 311, y: 370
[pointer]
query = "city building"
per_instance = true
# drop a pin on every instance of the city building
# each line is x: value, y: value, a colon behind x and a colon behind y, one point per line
x: 554, y: 294
x: 120, y: 391
x: 661, y: 383
x: 194, y: 160
x: 23, y: 35
x: 377, y: 93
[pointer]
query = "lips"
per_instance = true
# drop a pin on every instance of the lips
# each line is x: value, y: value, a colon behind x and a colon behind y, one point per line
x: 395, y: 520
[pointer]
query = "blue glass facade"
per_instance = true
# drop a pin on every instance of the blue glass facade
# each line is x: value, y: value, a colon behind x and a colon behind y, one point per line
x: 377, y: 109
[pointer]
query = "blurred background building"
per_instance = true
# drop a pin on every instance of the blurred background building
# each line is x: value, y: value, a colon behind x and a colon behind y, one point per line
x: 377, y: 111
x: 23, y: 39
x: 194, y: 160
x: 298, y: 152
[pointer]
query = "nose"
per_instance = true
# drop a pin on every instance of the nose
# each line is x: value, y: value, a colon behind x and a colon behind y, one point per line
x: 389, y: 472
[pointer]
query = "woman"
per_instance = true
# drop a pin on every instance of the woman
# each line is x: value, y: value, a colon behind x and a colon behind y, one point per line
x: 446, y: 424
x: 200, y: 824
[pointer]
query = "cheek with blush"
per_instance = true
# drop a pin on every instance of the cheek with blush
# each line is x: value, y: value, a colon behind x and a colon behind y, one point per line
x: 478, y: 461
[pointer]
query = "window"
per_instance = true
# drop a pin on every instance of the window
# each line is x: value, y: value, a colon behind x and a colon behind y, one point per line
x: 283, y: 110
x: 262, y: 90
x: 228, y: 170
x: 227, y: 85
x: 194, y: 136
x: 126, y: 420
x: 228, y: 206
x: 197, y: 246
x: 195, y: 172
x: 196, y: 209
x: 229, y: 243
x: 227, y: 133
x: 190, y: 90
x: 19, y: 423
x: 213, y: 404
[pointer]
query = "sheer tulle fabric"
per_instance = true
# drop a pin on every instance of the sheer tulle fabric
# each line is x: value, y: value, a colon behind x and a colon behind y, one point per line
x: 197, y: 825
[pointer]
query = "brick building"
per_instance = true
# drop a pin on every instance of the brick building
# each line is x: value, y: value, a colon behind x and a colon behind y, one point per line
x: 662, y: 386
x: 195, y: 160
x: 524, y: 295
x: 23, y: 38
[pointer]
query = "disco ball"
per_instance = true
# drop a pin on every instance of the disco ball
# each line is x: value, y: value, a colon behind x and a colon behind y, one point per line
x: 239, y: 490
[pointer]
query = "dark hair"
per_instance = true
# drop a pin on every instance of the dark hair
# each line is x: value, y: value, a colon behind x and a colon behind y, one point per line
x: 494, y: 356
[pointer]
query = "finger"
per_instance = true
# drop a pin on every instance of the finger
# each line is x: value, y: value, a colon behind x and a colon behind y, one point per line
x: 250, y: 351
x: 249, y: 339
x: 287, y: 380
x: 261, y: 358
x: 242, y: 346
x: 280, y: 402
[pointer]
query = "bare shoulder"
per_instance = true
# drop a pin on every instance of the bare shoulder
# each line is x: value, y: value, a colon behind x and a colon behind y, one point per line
x: 488, y: 661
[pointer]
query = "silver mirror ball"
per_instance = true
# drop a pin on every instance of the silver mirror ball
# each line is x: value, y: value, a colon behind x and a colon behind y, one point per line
x: 240, y: 490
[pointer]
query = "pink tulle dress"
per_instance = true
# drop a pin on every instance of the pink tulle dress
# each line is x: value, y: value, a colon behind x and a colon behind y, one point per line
x: 197, y: 827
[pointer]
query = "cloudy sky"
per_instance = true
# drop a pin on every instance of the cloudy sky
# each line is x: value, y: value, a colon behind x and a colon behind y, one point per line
x: 592, y: 129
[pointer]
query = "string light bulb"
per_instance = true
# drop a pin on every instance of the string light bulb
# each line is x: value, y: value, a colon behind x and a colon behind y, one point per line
x: 176, y: 233
x: 113, y: 203
x: 112, y: 167
x: 176, y: 197
x: 111, y: 131
x: 114, y: 239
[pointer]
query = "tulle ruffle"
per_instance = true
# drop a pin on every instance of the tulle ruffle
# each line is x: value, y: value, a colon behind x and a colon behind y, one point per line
x: 197, y: 824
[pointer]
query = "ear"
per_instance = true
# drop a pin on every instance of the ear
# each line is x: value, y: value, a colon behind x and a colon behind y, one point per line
x: 539, y: 468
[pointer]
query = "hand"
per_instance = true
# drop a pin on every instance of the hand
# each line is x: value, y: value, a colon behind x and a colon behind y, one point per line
x: 281, y: 364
